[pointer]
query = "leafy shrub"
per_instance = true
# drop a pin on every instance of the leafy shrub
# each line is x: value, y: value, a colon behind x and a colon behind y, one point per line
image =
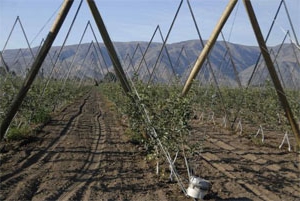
x: 17, y: 133
x: 38, y: 104
x: 156, y: 108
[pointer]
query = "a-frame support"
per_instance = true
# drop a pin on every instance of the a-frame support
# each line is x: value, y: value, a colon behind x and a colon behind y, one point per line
x: 44, y: 51
x: 264, y: 50
x: 208, y: 46
x: 35, y: 67
x: 109, y: 45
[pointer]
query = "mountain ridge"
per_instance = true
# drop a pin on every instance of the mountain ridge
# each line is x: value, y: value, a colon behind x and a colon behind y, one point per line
x: 176, y: 58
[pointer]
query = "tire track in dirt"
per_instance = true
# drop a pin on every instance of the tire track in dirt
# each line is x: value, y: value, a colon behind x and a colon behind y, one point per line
x: 81, y: 190
x: 83, y: 154
x: 86, y: 132
x: 108, y: 173
x: 21, y: 179
x: 41, y: 156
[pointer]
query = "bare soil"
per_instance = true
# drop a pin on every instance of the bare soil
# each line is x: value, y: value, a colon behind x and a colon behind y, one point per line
x: 83, y: 153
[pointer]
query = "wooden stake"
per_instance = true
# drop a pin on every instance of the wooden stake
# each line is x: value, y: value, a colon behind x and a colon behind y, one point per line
x: 280, y: 92
x: 210, y: 43
x: 109, y: 45
x: 35, y: 67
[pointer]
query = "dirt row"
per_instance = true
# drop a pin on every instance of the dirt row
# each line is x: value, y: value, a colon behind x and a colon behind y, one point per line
x: 240, y: 169
x: 83, y: 154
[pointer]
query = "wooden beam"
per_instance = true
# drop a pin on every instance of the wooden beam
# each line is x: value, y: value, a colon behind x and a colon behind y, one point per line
x: 279, y: 89
x: 109, y: 45
x: 35, y: 67
x: 208, y: 46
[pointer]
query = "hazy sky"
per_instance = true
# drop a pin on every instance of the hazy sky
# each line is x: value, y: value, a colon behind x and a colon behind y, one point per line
x: 136, y: 20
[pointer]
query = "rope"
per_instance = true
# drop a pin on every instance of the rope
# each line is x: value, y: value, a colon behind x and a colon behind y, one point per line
x: 26, y: 37
x: 10, y: 35
x: 23, y: 31
x: 232, y: 62
x: 131, y: 58
x: 84, y: 72
x: 180, y: 54
x: 6, y: 67
x: 130, y: 63
x: 167, y: 52
x: 143, y: 57
x: 278, y: 68
x: 275, y: 58
x: 268, y: 35
x: 297, y: 60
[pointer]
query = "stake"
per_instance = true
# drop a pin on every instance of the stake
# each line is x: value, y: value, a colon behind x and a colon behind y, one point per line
x: 148, y: 46
x: 109, y: 45
x: 236, y: 74
x: 99, y: 48
x: 97, y: 57
x: 285, y: 138
x: 165, y: 41
x: 210, y: 43
x: 291, y: 24
x: 35, y: 67
x: 280, y: 92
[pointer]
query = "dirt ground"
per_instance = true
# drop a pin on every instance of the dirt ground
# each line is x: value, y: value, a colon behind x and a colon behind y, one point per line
x: 83, y: 154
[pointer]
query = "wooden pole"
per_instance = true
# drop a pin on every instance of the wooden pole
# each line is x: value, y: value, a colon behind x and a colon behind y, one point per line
x: 109, y: 45
x: 210, y: 43
x: 35, y: 67
x: 279, y: 89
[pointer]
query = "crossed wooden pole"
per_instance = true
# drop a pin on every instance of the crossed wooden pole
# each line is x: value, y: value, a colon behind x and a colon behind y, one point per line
x: 264, y: 50
x: 16, y: 103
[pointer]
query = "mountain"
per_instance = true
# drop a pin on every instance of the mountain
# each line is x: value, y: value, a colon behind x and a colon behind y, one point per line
x: 228, y: 62
x: 286, y: 62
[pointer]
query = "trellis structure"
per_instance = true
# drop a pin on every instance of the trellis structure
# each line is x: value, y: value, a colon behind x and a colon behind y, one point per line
x: 122, y: 76
x: 264, y: 50
x: 118, y: 67
x: 44, y: 51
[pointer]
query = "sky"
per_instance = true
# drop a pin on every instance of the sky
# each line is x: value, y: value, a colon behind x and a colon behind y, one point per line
x: 136, y: 20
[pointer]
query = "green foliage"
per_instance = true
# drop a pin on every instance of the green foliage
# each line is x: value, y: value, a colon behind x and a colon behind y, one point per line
x: 256, y: 105
x: 155, y: 112
x: 18, y: 133
x: 38, y: 104
x: 42, y: 114
x: 2, y: 71
x: 110, y: 77
x: 160, y: 107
